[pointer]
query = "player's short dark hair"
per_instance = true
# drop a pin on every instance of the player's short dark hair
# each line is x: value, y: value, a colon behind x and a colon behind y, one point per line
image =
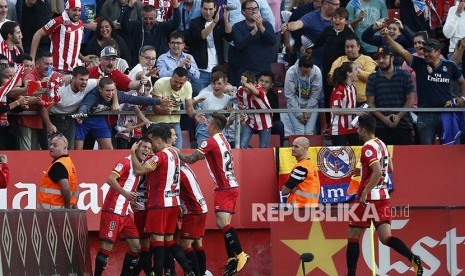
x: 353, y: 37
x: 306, y: 61
x: 80, y: 70
x: 43, y: 54
x: 149, y: 8
x: 8, y: 28
x: 104, y: 82
x: 367, y: 122
x: 342, y: 12
x: 221, y: 68
x: 160, y: 131
x: 216, y: 76
x: 176, y: 35
x: 22, y: 57
x: 250, y: 76
x: 207, y: 1
x: 180, y: 72
x: 267, y: 74
x: 145, y: 139
x: 244, y: 4
x: 423, y: 34
x: 219, y: 120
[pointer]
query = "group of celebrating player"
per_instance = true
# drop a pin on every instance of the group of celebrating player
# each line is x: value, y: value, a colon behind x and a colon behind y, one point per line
x: 161, y: 188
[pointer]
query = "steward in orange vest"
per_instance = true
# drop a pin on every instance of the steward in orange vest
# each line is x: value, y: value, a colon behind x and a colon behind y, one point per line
x: 303, y: 185
x: 59, y: 188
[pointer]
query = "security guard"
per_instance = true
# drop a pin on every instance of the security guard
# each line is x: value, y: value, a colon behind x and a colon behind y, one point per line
x: 58, y: 188
x: 303, y: 185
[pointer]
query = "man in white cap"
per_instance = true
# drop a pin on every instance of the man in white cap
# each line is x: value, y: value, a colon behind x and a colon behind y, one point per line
x: 66, y: 33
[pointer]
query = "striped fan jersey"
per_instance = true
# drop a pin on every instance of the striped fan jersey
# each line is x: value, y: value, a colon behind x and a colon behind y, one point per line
x: 257, y: 121
x: 343, y: 97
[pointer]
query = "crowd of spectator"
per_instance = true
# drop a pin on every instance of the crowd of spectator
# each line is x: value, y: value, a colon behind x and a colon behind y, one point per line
x: 69, y: 60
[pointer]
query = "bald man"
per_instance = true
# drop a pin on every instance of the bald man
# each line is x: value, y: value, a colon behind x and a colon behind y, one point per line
x: 59, y: 188
x: 303, y: 185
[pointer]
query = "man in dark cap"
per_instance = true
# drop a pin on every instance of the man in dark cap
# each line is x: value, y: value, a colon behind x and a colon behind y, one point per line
x: 434, y: 77
x: 391, y: 87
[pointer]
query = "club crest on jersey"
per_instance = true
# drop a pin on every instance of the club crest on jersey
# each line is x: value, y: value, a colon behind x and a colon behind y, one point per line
x: 112, y: 225
x: 119, y: 167
x: 444, y: 68
x: 368, y: 153
x: 204, y: 144
x: 336, y: 162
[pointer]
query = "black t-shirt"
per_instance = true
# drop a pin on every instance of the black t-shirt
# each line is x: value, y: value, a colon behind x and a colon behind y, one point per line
x: 58, y: 171
x: 274, y: 103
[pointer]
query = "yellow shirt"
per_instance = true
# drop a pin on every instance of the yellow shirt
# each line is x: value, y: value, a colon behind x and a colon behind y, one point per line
x: 368, y: 66
x: 162, y: 89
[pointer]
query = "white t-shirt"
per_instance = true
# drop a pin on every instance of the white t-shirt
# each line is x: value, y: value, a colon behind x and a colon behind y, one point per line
x: 70, y: 101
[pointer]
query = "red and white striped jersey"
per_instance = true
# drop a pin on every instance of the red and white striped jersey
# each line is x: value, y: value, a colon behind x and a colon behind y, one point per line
x: 374, y: 150
x: 192, y: 200
x: 220, y: 162
x: 114, y: 201
x: 66, y: 37
x: 343, y: 97
x: 142, y: 193
x: 164, y: 179
x: 262, y: 121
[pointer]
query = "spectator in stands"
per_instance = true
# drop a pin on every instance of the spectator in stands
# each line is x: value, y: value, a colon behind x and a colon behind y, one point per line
x: 390, y: 87
x: 433, y: 84
x: 250, y: 96
x: 106, y: 31
x: 313, y: 24
x: 454, y: 28
x: 4, y: 170
x: 148, y: 31
x: 253, y: 43
x: 65, y: 48
x: 332, y: 39
x: 113, y: 10
x: 217, y: 99
x: 459, y: 54
x: 175, y: 57
x: 297, y: 13
x: 206, y: 36
x: 56, y: 117
x: 236, y: 14
x: 11, y: 44
x: 190, y: 9
x: 344, y: 95
x: 3, y: 13
x: 32, y: 133
x: 410, y: 17
x: 178, y: 90
x: 89, y: 19
x: 26, y: 60
x: 120, y: 64
x: 34, y: 14
x: 303, y: 87
x: 365, y: 66
x: 397, y: 31
x: 97, y: 100
x: 106, y: 68
x: 364, y: 13
x: 266, y: 80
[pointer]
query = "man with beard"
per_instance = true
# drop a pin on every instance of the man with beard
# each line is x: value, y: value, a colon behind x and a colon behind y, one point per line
x: 54, y: 116
x: 66, y: 32
x: 391, y: 87
x: 434, y: 77
x: 11, y: 44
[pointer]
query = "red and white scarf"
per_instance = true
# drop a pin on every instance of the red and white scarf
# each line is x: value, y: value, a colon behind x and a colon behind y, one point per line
x: 7, y: 88
x: 5, y: 50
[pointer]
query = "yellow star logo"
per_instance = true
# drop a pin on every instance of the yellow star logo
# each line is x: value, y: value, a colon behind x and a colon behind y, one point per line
x: 323, y: 249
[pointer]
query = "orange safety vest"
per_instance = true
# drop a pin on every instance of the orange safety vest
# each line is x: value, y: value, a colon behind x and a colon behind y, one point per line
x: 49, y: 196
x: 307, y: 193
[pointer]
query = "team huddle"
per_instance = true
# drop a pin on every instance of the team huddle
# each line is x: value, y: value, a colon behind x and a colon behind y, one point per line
x: 161, y: 188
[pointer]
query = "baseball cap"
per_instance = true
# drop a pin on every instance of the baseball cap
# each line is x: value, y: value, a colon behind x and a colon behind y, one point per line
x: 385, y: 51
x: 71, y: 4
x: 432, y: 44
x: 109, y: 52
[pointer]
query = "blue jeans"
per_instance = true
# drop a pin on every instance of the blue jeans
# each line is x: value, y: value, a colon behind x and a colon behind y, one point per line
x: 201, y: 83
x: 428, y: 125
x: 246, y: 135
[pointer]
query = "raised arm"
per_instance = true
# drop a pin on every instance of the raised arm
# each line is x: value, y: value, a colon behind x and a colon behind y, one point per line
x: 191, y: 158
x: 396, y: 47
